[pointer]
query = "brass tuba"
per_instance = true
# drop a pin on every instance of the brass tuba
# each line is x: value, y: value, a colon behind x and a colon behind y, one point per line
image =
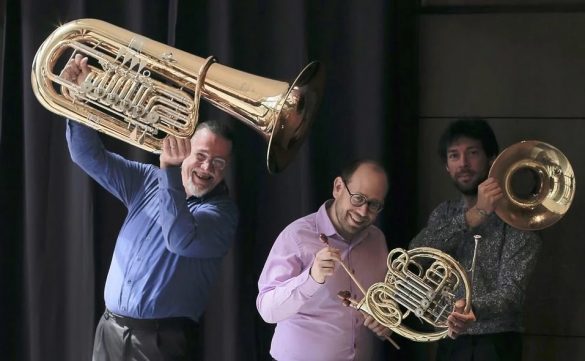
x: 538, y: 183
x: 140, y: 90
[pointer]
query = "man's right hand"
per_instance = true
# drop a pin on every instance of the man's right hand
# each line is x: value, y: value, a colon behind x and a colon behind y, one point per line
x: 488, y: 194
x: 76, y: 69
x: 174, y: 151
x: 324, y: 264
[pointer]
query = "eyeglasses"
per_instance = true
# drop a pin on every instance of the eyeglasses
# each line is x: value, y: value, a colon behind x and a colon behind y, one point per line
x: 358, y: 200
x: 217, y: 163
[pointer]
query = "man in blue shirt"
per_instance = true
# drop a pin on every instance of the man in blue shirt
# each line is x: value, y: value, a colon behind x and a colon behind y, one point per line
x: 180, y: 224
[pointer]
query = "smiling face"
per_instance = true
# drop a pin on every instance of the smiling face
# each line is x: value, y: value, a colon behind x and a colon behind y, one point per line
x: 467, y: 164
x: 204, y: 168
x: 367, y: 180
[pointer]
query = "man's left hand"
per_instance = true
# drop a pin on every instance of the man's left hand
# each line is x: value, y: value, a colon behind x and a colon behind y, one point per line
x: 380, y: 330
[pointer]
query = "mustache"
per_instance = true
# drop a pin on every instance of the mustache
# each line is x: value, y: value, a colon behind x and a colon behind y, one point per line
x: 202, y: 173
x: 465, y: 172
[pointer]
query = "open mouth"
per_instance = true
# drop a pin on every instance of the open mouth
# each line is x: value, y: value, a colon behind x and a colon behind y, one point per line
x: 204, y: 177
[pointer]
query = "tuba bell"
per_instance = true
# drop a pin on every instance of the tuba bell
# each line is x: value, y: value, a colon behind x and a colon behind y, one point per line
x: 140, y: 90
x: 538, y: 183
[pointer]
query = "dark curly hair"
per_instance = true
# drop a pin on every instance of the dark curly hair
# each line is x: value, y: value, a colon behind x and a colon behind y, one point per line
x: 474, y: 128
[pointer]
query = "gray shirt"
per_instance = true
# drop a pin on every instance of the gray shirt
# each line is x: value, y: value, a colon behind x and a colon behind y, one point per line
x: 504, y: 261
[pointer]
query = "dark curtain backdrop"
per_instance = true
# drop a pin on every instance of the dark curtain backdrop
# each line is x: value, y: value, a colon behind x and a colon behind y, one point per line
x: 58, y: 227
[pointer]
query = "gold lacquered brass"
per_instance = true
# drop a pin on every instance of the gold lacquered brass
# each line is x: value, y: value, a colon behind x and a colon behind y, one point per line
x: 424, y: 282
x: 140, y: 90
x: 546, y: 192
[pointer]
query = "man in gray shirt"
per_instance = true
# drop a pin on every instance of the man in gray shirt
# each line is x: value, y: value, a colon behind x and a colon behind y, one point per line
x: 505, y: 256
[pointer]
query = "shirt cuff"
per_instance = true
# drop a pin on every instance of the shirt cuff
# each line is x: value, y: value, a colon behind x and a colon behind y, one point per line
x: 308, y: 286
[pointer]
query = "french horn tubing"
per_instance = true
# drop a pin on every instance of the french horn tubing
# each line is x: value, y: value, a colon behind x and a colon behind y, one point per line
x: 140, y: 90
x: 423, y: 282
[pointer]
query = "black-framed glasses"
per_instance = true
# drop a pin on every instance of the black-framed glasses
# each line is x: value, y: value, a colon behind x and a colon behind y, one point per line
x: 217, y: 162
x: 358, y: 200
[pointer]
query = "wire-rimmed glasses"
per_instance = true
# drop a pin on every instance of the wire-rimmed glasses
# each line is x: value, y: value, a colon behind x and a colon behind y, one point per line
x: 358, y: 200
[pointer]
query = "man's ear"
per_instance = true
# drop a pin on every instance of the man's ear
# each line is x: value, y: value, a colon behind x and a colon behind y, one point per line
x: 337, y: 187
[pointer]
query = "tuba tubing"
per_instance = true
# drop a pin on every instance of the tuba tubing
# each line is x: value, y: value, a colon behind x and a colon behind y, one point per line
x: 140, y: 90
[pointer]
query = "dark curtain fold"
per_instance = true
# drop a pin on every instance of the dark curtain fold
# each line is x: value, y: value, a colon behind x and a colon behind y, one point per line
x: 2, y: 45
x: 59, y: 227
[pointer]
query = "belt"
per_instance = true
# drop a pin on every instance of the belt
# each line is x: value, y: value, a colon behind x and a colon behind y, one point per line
x: 150, y: 324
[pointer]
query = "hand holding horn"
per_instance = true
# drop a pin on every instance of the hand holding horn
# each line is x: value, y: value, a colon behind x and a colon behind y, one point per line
x: 346, y: 295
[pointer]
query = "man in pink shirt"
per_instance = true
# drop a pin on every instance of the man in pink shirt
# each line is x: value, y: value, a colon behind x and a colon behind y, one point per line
x: 300, y: 280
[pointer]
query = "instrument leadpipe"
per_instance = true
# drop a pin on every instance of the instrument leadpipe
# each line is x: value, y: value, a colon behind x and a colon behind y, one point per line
x: 347, y: 300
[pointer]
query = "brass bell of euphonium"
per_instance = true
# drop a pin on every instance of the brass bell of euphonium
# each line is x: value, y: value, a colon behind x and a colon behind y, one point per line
x: 538, y: 183
x: 140, y: 90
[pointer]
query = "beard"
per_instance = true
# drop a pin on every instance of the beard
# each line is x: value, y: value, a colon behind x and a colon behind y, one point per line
x: 470, y: 189
x: 192, y: 189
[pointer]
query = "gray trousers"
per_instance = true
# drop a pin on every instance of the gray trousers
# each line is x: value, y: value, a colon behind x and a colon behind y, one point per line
x: 125, y: 339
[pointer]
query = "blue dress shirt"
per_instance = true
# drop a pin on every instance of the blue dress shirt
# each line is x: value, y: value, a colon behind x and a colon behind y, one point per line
x: 170, y: 248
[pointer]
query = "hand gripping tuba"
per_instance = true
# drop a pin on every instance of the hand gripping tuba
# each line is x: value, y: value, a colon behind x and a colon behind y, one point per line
x: 140, y: 90
x: 424, y: 282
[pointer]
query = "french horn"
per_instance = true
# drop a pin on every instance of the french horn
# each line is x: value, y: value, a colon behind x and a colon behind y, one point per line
x: 538, y: 184
x: 140, y: 90
x: 423, y: 282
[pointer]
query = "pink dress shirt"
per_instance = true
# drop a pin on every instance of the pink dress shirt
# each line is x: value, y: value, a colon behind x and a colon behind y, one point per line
x: 312, y: 323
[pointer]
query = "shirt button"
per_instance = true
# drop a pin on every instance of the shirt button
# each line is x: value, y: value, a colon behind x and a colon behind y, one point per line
x: 123, y: 308
x: 139, y: 259
x: 129, y: 282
